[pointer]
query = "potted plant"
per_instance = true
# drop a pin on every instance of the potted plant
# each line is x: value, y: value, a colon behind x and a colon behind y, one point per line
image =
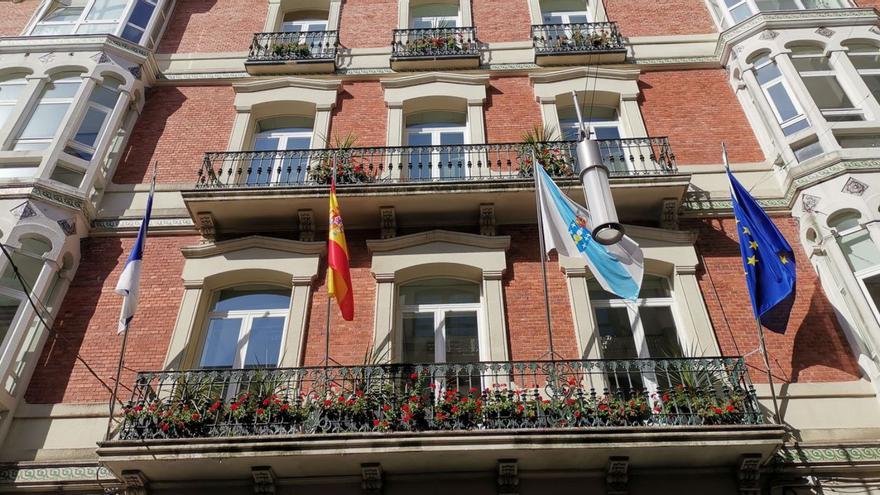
x: 351, y: 166
x: 550, y: 155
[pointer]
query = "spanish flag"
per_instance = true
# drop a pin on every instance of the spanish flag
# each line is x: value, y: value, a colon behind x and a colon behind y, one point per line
x: 338, y: 275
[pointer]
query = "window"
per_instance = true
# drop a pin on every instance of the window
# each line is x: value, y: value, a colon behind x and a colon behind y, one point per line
x: 861, y: 254
x: 439, y: 321
x: 604, y: 124
x: 440, y: 134
x: 290, y: 135
x: 138, y: 20
x: 100, y: 106
x: 865, y: 57
x: 434, y: 15
x: 11, y: 89
x: 44, y: 120
x: 311, y: 24
x: 81, y: 17
x: 732, y: 12
x: 564, y: 12
x: 822, y: 84
x: 788, y: 113
x: 245, y: 327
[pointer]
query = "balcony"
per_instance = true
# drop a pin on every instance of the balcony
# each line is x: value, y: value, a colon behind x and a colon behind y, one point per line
x: 571, y: 414
x: 577, y: 44
x: 293, y: 53
x: 435, y: 49
x: 438, y: 184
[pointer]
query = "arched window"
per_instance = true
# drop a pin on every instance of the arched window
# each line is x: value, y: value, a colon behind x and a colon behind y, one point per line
x: 818, y: 76
x: 282, y: 139
x: 28, y: 259
x: 786, y: 109
x: 440, y: 133
x: 45, y: 119
x: 100, y: 106
x: 11, y: 88
x: 245, y: 327
x: 439, y: 321
x: 861, y: 253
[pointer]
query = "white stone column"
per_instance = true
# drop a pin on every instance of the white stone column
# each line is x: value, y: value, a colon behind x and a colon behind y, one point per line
x: 321, y: 130
x: 496, y: 330
x: 695, y: 320
x: 775, y: 129
x: 475, y: 122
x: 293, y: 352
x: 631, y: 116
x: 181, y: 349
x: 854, y: 85
x: 394, y: 137
x: 274, y: 17
x: 333, y: 18
x: 550, y: 114
x: 383, y: 319
x: 402, y: 14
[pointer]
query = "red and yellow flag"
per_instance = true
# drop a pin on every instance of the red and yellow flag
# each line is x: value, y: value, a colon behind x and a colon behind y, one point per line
x: 338, y: 274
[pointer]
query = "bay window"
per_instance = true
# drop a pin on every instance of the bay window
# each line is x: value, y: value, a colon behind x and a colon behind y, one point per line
x: 777, y: 92
x: 28, y: 258
x: 731, y: 12
x: 865, y: 57
x: 821, y: 82
x: 11, y: 88
x: 861, y: 254
x: 138, y: 20
x: 100, y: 106
x: 80, y: 17
x: 45, y: 119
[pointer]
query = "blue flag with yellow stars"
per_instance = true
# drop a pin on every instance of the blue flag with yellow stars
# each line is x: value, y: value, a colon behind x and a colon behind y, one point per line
x: 767, y: 258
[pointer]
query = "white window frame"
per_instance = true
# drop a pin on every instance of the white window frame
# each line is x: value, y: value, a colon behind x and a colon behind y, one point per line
x: 565, y: 15
x: 126, y: 19
x: 17, y: 81
x: 305, y: 25
x: 108, y: 112
x: 435, y: 132
x: 728, y: 20
x: 865, y: 273
x: 765, y: 91
x: 49, y: 101
x: 247, y: 318
x: 830, y: 72
x: 283, y: 136
x: 866, y: 72
x: 591, y: 126
x: 81, y: 21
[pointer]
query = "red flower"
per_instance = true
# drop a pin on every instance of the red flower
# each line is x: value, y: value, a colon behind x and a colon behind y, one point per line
x: 731, y: 409
x: 414, y: 376
x: 520, y: 408
x: 405, y: 408
x: 138, y: 408
x: 570, y: 401
x: 328, y: 403
x: 260, y: 411
x: 407, y: 418
x: 359, y: 393
x: 266, y: 402
x: 454, y: 409
x: 717, y: 410
x: 603, y: 407
x: 234, y: 406
x: 341, y: 399
x: 165, y: 426
x: 386, y: 407
x: 433, y: 386
x: 473, y: 389
x: 285, y: 407
x: 196, y: 416
x: 375, y: 422
x: 665, y: 397
x: 577, y: 414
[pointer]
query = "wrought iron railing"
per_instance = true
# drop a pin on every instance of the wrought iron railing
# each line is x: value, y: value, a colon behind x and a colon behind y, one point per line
x: 588, y: 37
x: 443, y: 42
x: 413, y: 164
x: 430, y: 397
x: 279, y: 47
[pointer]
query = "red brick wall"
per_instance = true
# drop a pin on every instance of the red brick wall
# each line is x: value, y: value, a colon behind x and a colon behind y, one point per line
x: 868, y: 3
x: 813, y: 349
x: 697, y: 110
x: 87, y: 321
x: 367, y: 23
x: 205, y: 26
x: 669, y: 17
x: 502, y: 20
x: 360, y: 110
x: 177, y: 126
x: 511, y: 109
x: 15, y: 16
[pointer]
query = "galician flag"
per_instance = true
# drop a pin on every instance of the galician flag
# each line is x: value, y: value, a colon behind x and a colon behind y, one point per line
x: 618, y: 268
x: 129, y: 282
x: 338, y: 274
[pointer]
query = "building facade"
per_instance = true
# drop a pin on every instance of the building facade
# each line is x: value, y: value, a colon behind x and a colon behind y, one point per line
x: 241, y: 376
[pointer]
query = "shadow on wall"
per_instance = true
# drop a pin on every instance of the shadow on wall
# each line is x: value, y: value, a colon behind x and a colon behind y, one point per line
x: 136, y: 162
x: 181, y: 22
x: 78, y: 312
x: 818, y: 340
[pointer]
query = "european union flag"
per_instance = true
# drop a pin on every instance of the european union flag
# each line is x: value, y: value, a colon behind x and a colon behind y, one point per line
x: 767, y: 258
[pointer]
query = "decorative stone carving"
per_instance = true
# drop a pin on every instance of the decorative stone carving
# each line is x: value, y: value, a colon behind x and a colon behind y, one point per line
x: 387, y: 222
x: 824, y: 31
x: 875, y: 30
x: 371, y: 479
x: 205, y: 224
x: 47, y: 58
x: 264, y: 480
x: 68, y: 226
x: 855, y: 187
x: 769, y: 35
x: 809, y: 203
x: 135, y: 483
x: 669, y: 214
x: 24, y: 210
x: 508, y: 477
x: 306, y: 225
x: 487, y: 219
x: 617, y: 476
x: 749, y: 474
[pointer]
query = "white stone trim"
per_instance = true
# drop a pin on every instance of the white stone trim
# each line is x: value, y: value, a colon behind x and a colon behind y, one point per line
x: 253, y: 259
x: 440, y: 253
x: 278, y: 8
x: 464, y: 13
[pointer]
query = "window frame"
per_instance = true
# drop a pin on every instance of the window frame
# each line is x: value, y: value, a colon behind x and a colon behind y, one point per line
x: 284, y: 135
x: 825, y: 73
x: 13, y: 80
x: 436, y: 131
x: 42, y: 100
x: 866, y: 72
x: 786, y: 86
x: 728, y: 20
x: 81, y: 21
x: 108, y: 113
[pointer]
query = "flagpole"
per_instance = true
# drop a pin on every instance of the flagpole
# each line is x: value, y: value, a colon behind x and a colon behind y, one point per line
x: 329, y: 298
x: 776, y: 416
x: 543, y: 254
x: 121, y: 363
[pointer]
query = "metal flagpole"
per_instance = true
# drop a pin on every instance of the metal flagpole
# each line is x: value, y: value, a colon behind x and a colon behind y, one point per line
x: 121, y: 362
x: 329, y: 299
x: 543, y: 256
x: 776, y: 416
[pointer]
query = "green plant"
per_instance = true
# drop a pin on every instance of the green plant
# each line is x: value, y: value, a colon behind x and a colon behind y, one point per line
x: 291, y: 50
x: 351, y: 166
x: 550, y: 155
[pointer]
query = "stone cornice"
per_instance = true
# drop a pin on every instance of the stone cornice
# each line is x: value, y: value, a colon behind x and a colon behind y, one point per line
x: 289, y: 82
x: 464, y: 239
x: 682, y: 237
x: 433, y: 77
x: 73, y: 43
x: 578, y: 72
x: 254, y: 241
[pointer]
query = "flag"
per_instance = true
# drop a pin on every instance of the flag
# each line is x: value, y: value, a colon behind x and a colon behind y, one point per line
x: 618, y: 268
x: 767, y: 258
x: 338, y: 274
x: 129, y: 281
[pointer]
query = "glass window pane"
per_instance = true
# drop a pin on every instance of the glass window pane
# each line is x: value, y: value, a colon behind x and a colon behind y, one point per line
x: 132, y: 34
x: 44, y: 121
x: 141, y: 14
x: 577, y: 19
x: 100, y: 28
x: 807, y: 151
x: 418, y: 337
x: 765, y: 5
x: 11, y: 90
x: 52, y: 29
x: 440, y: 291
x: 63, y: 14
x: 64, y: 175
x: 827, y: 92
x: 795, y: 126
x: 607, y: 133
x: 90, y: 127
x: 873, y: 83
x: 552, y: 19
x: 5, y: 112
x: 264, y: 342
x: 461, y: 337
x: 741, y: 13
x: 615, y: 333
x: 105, y: 96
x: 106, y: 10
x: 866, y: 61
x: 807, y: 64
x: 767, y: 73
x: 782, y: 102
x: 61, y: 89
x: 221, y: 343
x: 291, y: 27
x: 8, y: 308
x: 860, y: 250
x: 660, y: 332
x: 873, y: 285
x: 28, y: 267
x: 252, y: 298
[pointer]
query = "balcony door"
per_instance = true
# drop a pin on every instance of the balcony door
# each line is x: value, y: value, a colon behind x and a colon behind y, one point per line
x: 435, y: 16
x: 280, y: 152
x: 435, y: 141
x: 561, y: 17
x: 304, y: 31
x: 603, y: 123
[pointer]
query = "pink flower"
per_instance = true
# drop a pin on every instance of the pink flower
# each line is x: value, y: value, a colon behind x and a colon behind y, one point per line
x: 138, y: 408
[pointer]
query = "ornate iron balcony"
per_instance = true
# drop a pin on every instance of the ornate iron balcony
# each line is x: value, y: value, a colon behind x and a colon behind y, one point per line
x: 649, y: 156
x: 445, y: 42
x: 437, y: 397
x: 590, y: 37
x: 281, y: 47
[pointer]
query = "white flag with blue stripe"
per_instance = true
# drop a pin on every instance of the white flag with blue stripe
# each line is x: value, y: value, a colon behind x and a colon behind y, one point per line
x: 129, y: 281
x: 618, y: 268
